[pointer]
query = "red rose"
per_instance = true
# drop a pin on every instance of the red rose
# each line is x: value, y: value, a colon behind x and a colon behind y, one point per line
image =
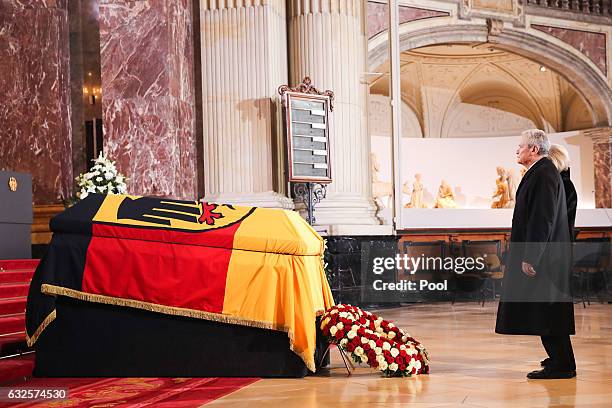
x: 350, y: 347
x: 361, y: 331
x: 414, y: 370
x: 403, y: 353
x: 356, y: 341
x: 339, y: 334
x: 371, y: 355
x: 389, y: 359
x: 379, y: 342
x: 366, y: 347
x: 399, y: 360
x: 402, y: 367
x: 387, y: 353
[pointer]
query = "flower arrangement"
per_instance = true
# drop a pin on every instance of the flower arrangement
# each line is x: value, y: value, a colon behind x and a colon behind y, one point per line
x: 103, y: 178
x: 370, y: 339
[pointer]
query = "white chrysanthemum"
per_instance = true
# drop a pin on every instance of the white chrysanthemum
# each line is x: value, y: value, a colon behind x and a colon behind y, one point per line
x: 394, y: 352
x: 393, y: 367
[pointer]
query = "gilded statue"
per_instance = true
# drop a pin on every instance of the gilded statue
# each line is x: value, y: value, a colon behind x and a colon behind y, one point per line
x: 503, y: 197
x: 445, y: 198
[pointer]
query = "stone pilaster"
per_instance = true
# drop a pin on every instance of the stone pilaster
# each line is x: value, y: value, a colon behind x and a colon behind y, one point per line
x: 148, y: 100
x: 602, y: 164
x: 327, y: 43
x: 244, y: 60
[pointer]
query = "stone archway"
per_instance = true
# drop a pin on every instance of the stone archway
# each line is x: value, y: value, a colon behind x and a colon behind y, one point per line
x: 570, y: 65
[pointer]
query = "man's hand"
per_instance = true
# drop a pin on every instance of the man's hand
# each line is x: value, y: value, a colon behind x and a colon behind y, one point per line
x: 528, y: 270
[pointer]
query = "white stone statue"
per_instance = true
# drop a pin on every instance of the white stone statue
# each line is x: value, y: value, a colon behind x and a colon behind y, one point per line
x: 381, y: 190
x: 416, y: 198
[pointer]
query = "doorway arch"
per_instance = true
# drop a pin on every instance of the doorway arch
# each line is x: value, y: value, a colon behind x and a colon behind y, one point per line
x: 572, y: 66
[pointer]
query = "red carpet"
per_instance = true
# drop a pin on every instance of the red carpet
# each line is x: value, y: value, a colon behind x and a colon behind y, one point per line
x: 15, y: 277
x: 157, y: 392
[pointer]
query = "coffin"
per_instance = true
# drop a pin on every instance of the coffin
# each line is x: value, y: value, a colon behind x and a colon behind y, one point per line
x: 141, y: 286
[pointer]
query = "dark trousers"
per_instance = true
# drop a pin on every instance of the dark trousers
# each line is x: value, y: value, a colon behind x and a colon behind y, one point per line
x: 560, y: 352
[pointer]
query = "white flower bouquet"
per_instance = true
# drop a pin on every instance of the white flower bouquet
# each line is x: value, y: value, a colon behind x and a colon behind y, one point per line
x: 103, y: 178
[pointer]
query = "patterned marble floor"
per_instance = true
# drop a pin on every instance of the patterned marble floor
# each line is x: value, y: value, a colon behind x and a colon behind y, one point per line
x: 471, y: 367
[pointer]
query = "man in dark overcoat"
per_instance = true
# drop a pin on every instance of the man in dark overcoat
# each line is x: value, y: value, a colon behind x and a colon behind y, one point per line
x: 536, y: 297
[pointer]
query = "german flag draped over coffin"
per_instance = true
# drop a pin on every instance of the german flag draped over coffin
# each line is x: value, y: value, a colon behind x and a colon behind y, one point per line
x: 242, y: 265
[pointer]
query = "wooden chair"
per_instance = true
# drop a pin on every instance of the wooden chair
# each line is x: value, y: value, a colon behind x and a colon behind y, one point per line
x: 490, y: 251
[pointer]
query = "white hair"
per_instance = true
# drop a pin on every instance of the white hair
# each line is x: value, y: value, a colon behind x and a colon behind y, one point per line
x: 559, y: 156
x: 537, y: 137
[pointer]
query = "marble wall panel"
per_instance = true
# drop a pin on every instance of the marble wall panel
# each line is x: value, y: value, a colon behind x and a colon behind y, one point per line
x: 592, y: 45
x: 35, y: 129
x: 378, y: 19
x: 148, y: 94
x: 602, y: 161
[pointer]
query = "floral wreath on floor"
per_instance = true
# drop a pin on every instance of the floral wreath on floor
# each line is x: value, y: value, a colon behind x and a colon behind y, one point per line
x: 367, y: 338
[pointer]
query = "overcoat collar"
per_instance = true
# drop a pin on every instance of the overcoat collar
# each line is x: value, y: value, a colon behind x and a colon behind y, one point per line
x: 531, y: 170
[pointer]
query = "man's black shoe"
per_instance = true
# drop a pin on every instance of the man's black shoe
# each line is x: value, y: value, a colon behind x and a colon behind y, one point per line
x: 550, y: 374
x: 545, y: 362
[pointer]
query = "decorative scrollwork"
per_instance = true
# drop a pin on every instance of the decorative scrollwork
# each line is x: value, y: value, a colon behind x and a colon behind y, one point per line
x: 310, y: 194
x: 306, y: 87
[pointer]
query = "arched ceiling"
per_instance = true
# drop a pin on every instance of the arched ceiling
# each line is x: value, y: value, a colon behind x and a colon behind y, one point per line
x: 454, y: 89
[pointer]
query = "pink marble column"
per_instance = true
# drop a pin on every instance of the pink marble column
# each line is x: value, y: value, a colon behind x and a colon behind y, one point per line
x: 602, y: 162
x: 148, y: 94
x: 35, y: 133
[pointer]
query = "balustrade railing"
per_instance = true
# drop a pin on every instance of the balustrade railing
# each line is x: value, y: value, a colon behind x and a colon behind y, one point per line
x: 592, y: 7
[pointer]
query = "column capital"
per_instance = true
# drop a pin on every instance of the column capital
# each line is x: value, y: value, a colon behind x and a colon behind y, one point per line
x: 599, y: 135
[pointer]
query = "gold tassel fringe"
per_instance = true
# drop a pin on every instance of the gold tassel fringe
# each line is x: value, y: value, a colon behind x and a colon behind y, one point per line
x: 31, y: 340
